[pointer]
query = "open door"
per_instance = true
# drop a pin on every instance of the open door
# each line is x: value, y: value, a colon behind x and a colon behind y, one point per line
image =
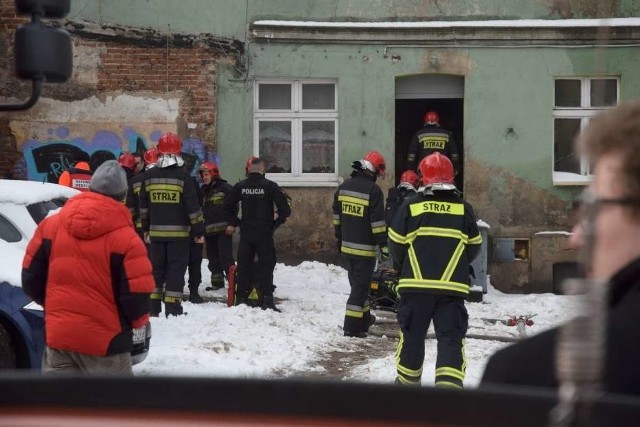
x: 415, y: 95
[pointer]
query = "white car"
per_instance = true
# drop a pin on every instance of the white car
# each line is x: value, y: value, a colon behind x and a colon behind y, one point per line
x: 23, y: 204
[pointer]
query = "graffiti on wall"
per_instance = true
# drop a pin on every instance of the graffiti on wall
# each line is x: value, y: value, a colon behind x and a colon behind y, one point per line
x: 44, y: 159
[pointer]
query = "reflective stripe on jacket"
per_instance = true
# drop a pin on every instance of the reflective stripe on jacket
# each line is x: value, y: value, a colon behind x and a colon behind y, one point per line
x: 214, y: 217
x: 432, y: 240
x: 358, y: 216
x: 169, y: 205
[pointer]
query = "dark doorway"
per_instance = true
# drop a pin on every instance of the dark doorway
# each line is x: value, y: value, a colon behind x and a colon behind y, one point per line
x: 409, y: 119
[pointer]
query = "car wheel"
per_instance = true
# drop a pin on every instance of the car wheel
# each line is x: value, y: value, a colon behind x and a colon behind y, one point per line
x: 7, y: 352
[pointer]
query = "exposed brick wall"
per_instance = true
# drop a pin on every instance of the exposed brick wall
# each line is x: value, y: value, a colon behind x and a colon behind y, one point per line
x: 9, y: 154
x: 160, y: 70
x: 8, y: 18
x: 125, y: 65
x: 10, y: 86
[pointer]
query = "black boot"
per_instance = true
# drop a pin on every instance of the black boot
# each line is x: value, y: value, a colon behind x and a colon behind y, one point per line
x: 355, y: 334
x: 156, y: 307
x: 195, y: 298
x: 268, y: 303
x: 368, y: 320
x: 241, y: 299
x: 217, y: 282
x: 173, y: 309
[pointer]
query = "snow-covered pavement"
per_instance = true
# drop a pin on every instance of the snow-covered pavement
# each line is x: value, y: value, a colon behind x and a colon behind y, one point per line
x: 215, y: 340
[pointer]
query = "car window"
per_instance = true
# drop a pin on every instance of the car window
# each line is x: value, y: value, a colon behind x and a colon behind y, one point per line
x: 40, y: 210
x: 8, y: 232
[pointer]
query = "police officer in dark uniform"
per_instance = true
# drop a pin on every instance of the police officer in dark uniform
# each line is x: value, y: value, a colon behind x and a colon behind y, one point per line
x: 257, y: 196
x: 430, y: 139
x: 170, y: 214
x: 358, y: 220
x: 432, y: 240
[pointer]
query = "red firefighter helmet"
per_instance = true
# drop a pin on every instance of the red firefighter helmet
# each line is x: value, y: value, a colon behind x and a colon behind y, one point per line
x: 374, y: 162
x: 151, y: 156
x: 212, y: 168
x: 82, y: 166
x: 169, y: 143
x: 410, y: 177
x: 437, y: 171
x: 432, y: 118
x: 126, y: 160
x: 248, y: 164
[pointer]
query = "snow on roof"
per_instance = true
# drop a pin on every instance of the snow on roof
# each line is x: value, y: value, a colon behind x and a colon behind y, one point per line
x: 482, y: 223
x: 503, y: 23
x: 564, y: 233
x: 28, y: 192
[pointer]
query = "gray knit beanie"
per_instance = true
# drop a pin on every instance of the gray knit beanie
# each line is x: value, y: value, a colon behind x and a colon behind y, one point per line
x: 110, y: 180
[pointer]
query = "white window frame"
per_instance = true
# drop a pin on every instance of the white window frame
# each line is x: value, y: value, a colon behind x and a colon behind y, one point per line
x: 584, y: 113
x: 297, y: 115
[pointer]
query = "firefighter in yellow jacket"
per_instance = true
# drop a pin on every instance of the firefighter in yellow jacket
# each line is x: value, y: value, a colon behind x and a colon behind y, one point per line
x: 433, y: 238
x: 358, y: 219
x: 171, y: 218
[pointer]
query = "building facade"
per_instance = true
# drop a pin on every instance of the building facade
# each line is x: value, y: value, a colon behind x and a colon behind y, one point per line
x: 312, y: 86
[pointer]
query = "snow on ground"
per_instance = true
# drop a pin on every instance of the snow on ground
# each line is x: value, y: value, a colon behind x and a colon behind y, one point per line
x: 215, y: 340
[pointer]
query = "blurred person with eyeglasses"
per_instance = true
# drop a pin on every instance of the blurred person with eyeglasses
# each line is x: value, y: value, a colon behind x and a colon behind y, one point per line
x: 608, y: 239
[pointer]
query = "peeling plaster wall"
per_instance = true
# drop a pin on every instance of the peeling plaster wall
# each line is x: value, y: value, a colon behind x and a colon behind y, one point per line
x: 507, y: 175
x: 127, y: 88
x: 229, y: 18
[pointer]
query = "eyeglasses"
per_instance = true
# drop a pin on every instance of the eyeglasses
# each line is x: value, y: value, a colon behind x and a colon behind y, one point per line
x: 590, y: 204
x: 589, y: 200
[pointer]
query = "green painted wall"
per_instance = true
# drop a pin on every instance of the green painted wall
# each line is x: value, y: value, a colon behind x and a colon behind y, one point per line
x: 229, y: 18
x: 504, y: 88
x: 219, y: 17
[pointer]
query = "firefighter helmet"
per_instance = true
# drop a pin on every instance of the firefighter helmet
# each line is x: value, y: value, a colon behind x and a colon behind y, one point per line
x: 169, y: 143
x: 374, y: 162
x: 212, y: 168
x: 432, y: 118
x: 437, y: 171
x: 82, y: 166
x: 410, y: 177
x: 151, y: 157
x: 126, y: 160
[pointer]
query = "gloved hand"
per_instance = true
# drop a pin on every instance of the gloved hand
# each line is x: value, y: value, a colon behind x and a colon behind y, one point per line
x: 384, y: 253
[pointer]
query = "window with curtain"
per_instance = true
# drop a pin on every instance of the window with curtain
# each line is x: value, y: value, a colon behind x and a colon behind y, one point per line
x: 576, y: 101
x: 295, y: 130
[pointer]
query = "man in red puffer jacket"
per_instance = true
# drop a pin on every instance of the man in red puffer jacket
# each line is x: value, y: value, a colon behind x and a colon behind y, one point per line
x: 89, y: 270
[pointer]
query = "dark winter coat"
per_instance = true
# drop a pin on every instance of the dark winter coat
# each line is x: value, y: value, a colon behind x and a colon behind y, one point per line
x: 89, y: 270
x: 133, y: 199
x: 432, y: 240
x: 358, y: 216
x: 257, y: 195
x: 428, y: 140
x: 395, y: 197
x: 169, y: 206
x: 531, y: 362
x: 215, y: 220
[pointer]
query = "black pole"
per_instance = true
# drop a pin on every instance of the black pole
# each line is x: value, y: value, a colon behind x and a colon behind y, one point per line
x: 35, y: 94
